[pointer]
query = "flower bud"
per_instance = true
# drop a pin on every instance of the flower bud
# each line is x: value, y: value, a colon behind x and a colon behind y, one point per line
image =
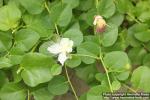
x: 100, y: 23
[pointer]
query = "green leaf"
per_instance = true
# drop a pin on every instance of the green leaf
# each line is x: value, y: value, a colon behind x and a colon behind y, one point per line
x: 140, y: 78
x: 27, y: 38
x: 61, y: 14
x: 56, y: 69
x: 15, y: 59
x: 9, y: 17
x: 88, y: 50
x: 5, y: 62
x: 65, y: 16
x: 74, y: 61
x: 144, y: 17
x: 86, y: 73
x: 40, y: 24
x: 123, y: 76
x: 3, y: 79
x: 110, y: 36
x: 117, y: 61
x: 42, y: 94
x: 116, y: 19
x: 90, y: 16
x: 87, y: 5
x: 146, y: 60
x: 13, y: 91
x: 95, y: 93
x: 36, y: 69
x: 5, y: 41
x: 43, y: 48
x: 116, y: 85
x: 136, y: 28
x: 32, y: 6
x: 123, y: 6
x: 143, y: 36
x: 75, y: 35
x: 106, y: 8
x: 72, y: 3
x: 136, y: 55
x: 58, y: 85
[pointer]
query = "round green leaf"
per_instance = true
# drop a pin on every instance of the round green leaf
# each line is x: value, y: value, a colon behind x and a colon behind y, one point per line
x: 74, y: 61
x: 32, y: 6
x: 86, y: 73
x: 65, y: 16
x: 146, y: 60
x: 110, y: 35
x: 123, y: 75
x: 143, y: 36
x: 26, y: 38
x: 58, y: 85
x: 72, y: 3
x: 56, y: 69
x: 13, y: 91
x: 87, y: 50
x: 136, y: 55
x: 136, y: 28
x: 9, y: 17
x: 123, y: 6
x: 61, y: 14
x: 40, y: 24
x: 5, y: 41
x: 117, y: 61
x: 116, y: 19
x: 5, y: 62
x: 75, y: 35
x: 106, y: 8
x: 36, y: 68
x: 95, y: 93
x: 140, y: 78
x: 42, y: 94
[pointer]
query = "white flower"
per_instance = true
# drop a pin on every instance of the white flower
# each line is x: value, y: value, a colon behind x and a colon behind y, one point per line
x: 61, y: 48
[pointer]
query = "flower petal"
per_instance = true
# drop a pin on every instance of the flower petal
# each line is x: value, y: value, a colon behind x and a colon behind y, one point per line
x: 62, y: 58
x: 54, y: 49
x: 66, y: 45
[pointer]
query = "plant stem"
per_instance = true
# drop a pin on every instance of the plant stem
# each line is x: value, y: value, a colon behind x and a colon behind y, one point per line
x: 46, y: 6
x: 133, y: 18
x: 96, y: 4
x: 126, y: 86
x: 108, y: 78
x: 73, y: 90
x: 107, y: 72
x: 56, y: 29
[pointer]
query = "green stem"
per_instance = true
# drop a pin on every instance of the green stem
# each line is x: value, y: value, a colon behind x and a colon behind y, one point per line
x: 132, y: 90
x: 96, y: 4
x: 107, y: 72
x: 108, y: 78
x: 46, y: 6
x: 83, y: 55
x: 35, y: 46
x: 56, y: 29
x: 133, y: 18
x: 71, y: 83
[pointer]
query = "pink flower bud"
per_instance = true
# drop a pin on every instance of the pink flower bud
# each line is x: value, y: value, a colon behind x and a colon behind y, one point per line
x: 100, y: 23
